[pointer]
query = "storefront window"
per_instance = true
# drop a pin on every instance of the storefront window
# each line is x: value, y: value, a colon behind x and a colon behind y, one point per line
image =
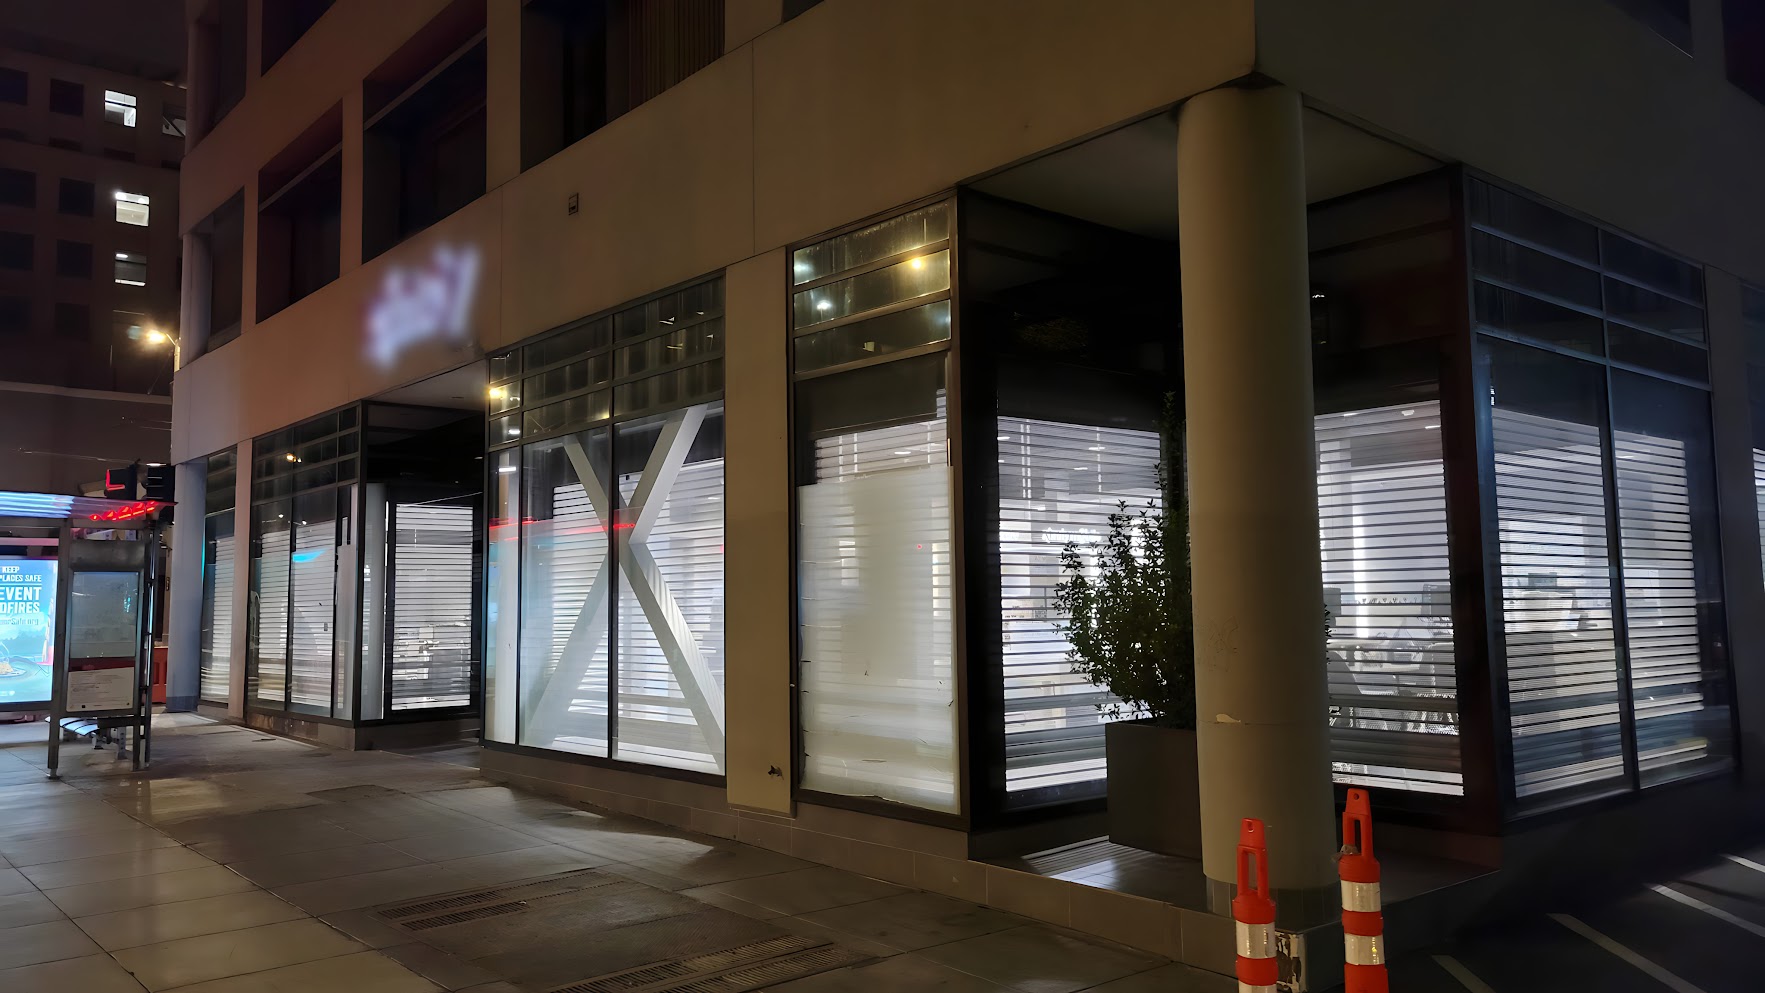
x: 617, y: 539
x: 217, y: 579
x: 874, y: 580
x: 272, y: 536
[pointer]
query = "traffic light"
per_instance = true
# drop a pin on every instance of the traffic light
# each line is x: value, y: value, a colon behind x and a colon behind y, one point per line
x: 157, y: 483
x: 122, y: 484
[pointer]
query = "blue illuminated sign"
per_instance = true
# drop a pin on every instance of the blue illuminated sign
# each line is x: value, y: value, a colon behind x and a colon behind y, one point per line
x: 27, y: 629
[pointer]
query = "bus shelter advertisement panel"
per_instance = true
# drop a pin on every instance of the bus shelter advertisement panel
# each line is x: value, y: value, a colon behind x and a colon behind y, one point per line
x: 27, y: 630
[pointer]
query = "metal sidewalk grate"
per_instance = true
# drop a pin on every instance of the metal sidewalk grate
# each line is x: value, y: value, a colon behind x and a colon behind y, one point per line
x: 490, y: 901
x: 735, y: 970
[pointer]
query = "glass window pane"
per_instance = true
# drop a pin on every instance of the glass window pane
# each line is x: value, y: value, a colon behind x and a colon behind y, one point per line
x: 567, y: 378
x: 1647, y: 309
x: 217, y: 605
x: 313, y: 587
x: 685, y: 345
x: 1388, y: 585
x: 1556, y: 576
x: 1673, y: 614
x: 272, y: 534
x: 1653, y: 351
x: 877, y: 671
x: 505, y: 396
x: 1520, y: 266
x: 502, y: 591
x: 695, y: 382
x: 566, y: 592
x: 1517, y: 313
x: 921, y: 227
x: 877, y: 336
x: 578, y: 411
x: 432, y: 662
x: 132, y: 208
x: 1058, y: 484
x: 670, y: 650
x: 505, y: 429
x: 1529, y: 220
x: 907, y: 280
x: 567, y: 344
x: 1651, y: 267
x: 505, y: 366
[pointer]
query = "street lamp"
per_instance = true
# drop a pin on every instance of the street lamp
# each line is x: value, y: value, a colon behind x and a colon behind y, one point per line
x: 156, y: 337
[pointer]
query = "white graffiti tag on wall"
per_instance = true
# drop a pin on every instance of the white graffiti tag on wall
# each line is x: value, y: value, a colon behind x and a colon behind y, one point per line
x: 426, y: 303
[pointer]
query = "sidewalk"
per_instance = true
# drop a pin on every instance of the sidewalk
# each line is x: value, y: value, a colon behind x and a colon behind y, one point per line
x: 246, y: 863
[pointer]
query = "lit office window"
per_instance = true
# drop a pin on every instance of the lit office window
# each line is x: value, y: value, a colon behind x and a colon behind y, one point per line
x: 131, y: 208
x: 131, y: 269
x: 1387, y: 584
x: 119, y: 108
x: 173, y: 125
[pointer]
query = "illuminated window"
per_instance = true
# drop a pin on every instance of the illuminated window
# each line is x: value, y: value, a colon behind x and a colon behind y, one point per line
x: 131, y: 208
x: 131, y: 269
x: 173, y: 123
x: 119, y: 108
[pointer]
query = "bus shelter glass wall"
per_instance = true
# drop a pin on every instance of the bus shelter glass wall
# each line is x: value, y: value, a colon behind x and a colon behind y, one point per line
x: 876, y: 664
x: 1592, y: 349
x: 603, y: 578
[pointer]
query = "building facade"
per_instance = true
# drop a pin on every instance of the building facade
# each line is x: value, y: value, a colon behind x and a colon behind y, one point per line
x: 89, y: 266
x: 699, y: 397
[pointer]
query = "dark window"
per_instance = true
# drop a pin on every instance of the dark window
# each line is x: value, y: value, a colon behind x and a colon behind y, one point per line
x: 15, y: 250
x: 13, y: 134
x: 15, y: 85
x: 1743, y: 41
x: 1671, y: 19
x: 73, y: 320
x: 76, y: 197
x: 15, y: 314
x: 64, y: 143
x: 794, y: 7
x: 285, y: 21
x: 66, y: 97
x: 584, y: 64
x: 300, y: 237
x: 119, y: 154
x: 225, y: 232
x: 18, y: 187
x: 73, y: 259
x: 219, y: 59
x: 424, y: 158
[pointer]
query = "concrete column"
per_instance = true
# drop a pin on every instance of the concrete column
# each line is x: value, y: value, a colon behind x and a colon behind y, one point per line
x: 1743, y: 581
x: 184, y: 603
x: 1259, y: 668
x: 502, y: 114
x: 236, y: 675
x: 757, y: 542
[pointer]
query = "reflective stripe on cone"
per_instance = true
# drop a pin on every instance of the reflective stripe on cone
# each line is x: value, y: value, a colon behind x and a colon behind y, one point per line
x: 1363, y: 918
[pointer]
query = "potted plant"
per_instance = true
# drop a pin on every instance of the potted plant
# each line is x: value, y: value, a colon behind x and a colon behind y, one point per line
x: 1130, y: 625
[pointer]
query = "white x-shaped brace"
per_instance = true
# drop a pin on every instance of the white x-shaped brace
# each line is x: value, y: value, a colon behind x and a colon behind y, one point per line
x: 550, y: 699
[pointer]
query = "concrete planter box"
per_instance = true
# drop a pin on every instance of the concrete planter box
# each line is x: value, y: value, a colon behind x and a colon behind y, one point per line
x: 1154, y: 796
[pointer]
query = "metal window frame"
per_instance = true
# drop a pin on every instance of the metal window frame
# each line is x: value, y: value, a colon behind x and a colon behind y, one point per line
x: 1511, y: 809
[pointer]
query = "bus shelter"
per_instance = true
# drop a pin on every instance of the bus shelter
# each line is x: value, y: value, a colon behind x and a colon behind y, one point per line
x: 78, y: 576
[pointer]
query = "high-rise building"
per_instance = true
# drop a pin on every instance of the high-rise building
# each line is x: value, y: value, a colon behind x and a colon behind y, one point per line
x: 697, y: 397
x: 91, y: 130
